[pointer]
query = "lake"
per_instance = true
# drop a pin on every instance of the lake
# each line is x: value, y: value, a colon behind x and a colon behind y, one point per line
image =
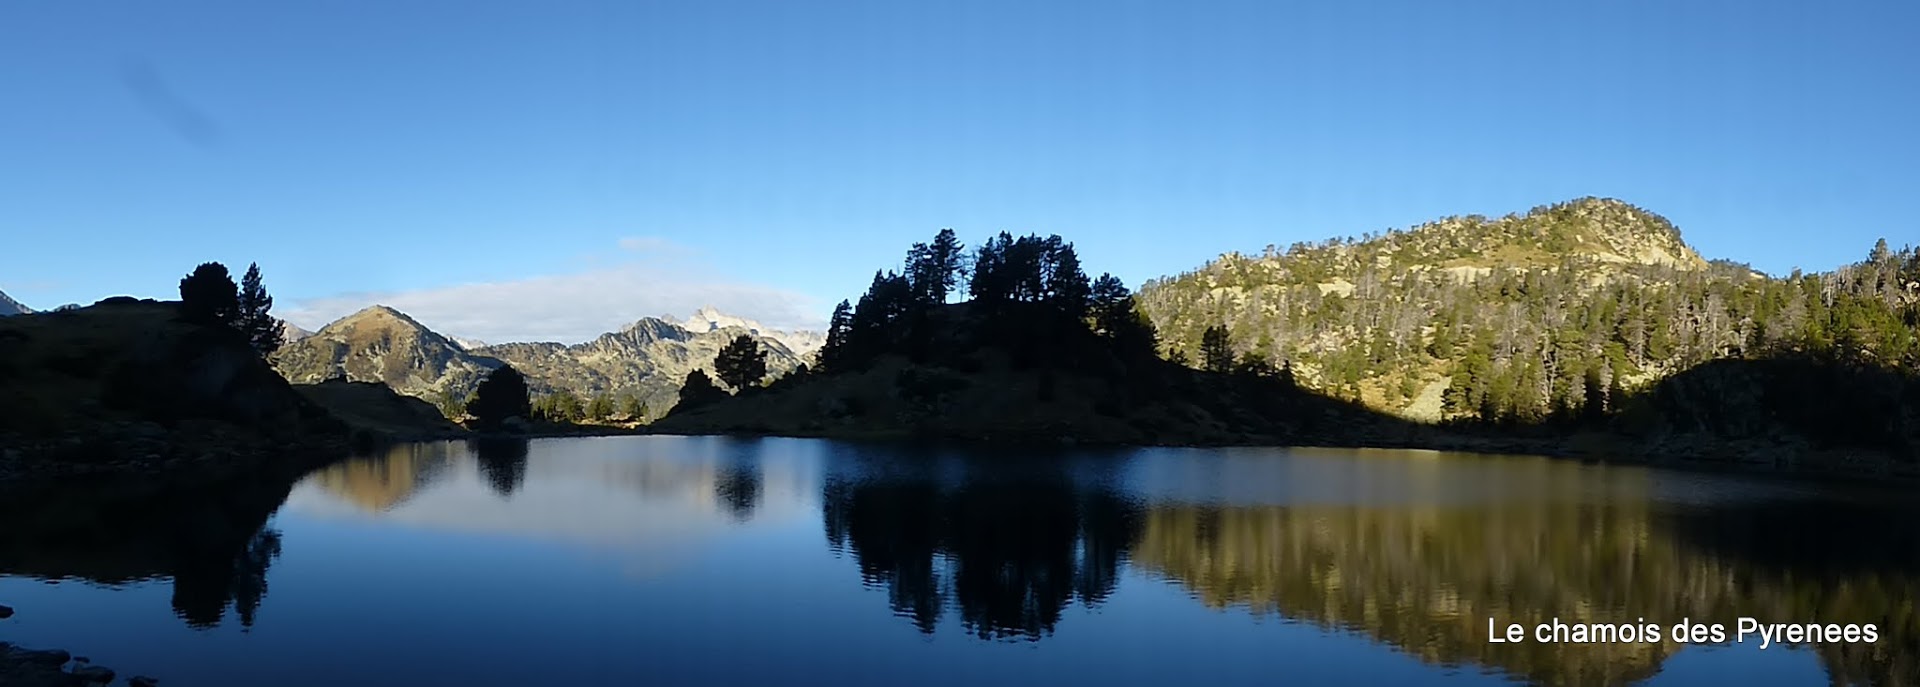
x: 722, y: 561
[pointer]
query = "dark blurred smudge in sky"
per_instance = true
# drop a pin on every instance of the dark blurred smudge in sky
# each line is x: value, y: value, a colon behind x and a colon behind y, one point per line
x: 180, y: 117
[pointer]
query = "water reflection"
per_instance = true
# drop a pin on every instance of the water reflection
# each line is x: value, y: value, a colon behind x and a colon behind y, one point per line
x: 1413, y: 554
x: 386, y: 479
x: 1007, y: 555
x: 211, y: 539
x: 503, y: 462
x: 1425, y: 580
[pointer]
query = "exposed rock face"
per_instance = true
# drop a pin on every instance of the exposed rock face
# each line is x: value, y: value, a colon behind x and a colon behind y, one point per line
x: 380, y: 344
x: 291, y: 332
x: 801, y: 342
x: 647, y: 359
x: 9, y: 306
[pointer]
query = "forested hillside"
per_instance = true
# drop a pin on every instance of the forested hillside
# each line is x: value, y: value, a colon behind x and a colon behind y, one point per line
x: 1530, y: 318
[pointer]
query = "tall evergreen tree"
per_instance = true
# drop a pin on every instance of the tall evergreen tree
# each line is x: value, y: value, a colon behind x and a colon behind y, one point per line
x: 741, y: 364
x: 946, y: 255
x: 254, y: 317
x: 1067, y: 286
x: 934, y: 268
x: 1216, y: 354
x: 834, y: 356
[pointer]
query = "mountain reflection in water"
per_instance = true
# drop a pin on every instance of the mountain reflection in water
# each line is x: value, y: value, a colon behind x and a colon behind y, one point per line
x: 1411, y: 552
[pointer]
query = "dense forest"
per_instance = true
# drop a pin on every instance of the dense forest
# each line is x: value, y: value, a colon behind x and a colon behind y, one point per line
x: 1554, y: 315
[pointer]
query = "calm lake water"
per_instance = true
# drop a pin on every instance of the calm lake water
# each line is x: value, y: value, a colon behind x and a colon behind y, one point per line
x: 717, y: 561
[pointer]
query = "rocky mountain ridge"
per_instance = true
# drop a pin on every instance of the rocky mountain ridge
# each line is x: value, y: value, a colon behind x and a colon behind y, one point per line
x: 1519, y: 317
x: 9, y: 306
x: 647, y: 359
x: 800, y: 341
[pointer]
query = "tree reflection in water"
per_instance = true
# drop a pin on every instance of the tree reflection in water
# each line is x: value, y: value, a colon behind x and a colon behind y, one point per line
x: 1008, y: 556
x: 502, y: 462
x: 211, y: 539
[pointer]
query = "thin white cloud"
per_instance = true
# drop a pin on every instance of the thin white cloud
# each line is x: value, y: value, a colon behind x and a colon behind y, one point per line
x: 576, y: 307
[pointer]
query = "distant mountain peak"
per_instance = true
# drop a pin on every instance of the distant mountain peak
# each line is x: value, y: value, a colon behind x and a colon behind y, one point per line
x: 709, y: 319
x: 9, y: 306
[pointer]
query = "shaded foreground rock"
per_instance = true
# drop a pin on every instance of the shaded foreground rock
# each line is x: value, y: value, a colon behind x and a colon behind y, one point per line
x: 42, y: 668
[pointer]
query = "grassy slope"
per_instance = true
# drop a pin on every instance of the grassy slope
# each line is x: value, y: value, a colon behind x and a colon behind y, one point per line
x: 375, y: 408
x: 127, y: 385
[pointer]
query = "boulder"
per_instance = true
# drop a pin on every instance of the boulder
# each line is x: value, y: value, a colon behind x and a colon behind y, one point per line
x: 93, y: 674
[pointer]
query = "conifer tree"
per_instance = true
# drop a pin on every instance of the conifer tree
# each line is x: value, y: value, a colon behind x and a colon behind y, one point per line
x: 502, y: 395
x: 698, y: 390
x: 1216, y: 355
x: 600, y: 408
x: 634, y: 408
x: 209, y: 296
x: 741, y: 364
x: 834, y: 355
x: 254, y: 318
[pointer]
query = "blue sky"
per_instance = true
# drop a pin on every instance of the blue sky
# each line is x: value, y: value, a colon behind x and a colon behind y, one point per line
x: 550, y: 169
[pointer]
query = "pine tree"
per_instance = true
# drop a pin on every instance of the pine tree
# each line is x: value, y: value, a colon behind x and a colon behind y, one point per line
x: 741, y: 364
x: 698, y: 390
x: 835, y: 356
x: 1216, y: 354
x: 634, y: 409
x: 254, y: 318
x: 209, y: 296
x: 600, y: 409
x: 1067, y: 286
x: 502, y: 395
x: 934, y: 268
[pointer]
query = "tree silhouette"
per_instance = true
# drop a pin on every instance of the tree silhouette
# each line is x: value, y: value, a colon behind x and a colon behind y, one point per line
x: 1216, y: 355
x: 1067, y: 286
x: 834, y: 354
x: 741, y: 364
x: 934, y: 268
x: 262, y: 330
x: 209, y: 296
x: 502, y: 395
x: 698, y: 390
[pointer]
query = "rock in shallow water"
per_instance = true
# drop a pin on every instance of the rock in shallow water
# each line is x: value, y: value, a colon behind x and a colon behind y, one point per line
x: 91, y: 673
x: 52, y: 657
x: 142, y: 681
x: 6, y: 612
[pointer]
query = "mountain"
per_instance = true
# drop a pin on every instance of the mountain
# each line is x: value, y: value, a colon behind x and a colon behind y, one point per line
x: 1584, y: 328
x: 1522, y: 318
x: 380, y: 344
x: 291, y: 332
x: 9, y: 306
x: 647, y: 359
x: 800, y: 341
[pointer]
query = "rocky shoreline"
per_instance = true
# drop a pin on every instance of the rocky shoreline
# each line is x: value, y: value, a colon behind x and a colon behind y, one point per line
x: 21, y: 667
